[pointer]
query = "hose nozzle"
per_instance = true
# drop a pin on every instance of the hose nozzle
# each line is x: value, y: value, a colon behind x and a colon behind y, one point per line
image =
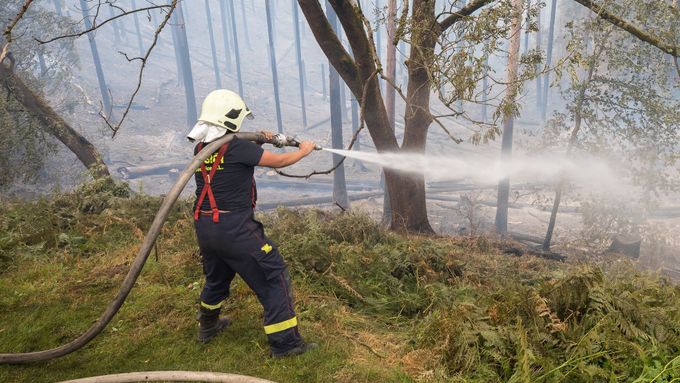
x: 280, y: 140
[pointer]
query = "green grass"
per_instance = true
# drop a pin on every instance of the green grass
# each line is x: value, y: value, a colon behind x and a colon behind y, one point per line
x: 384, y: 307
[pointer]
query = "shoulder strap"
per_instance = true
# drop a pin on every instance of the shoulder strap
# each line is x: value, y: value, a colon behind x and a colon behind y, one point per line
x: 207, y: 179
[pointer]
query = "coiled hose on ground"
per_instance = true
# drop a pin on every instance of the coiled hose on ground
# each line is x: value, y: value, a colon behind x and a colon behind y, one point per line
x: 137, y: 265
x: 170, y: 376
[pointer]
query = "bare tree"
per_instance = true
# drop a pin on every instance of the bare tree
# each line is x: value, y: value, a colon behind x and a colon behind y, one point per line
x: 225, y: 34
x: 339, y: 185
x: 38, y: 108
x: 216, y: 67
x: 103, y: 88
x: 182, y: 53
x: 508, y: 117
x: 272, y: 64
x: 237, y: 55
x: 548, y: 62
x: 390, y: 93
x: 298, y: 58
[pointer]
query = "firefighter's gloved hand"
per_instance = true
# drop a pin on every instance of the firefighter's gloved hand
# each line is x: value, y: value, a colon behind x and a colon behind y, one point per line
x: 279, y: 140
x: 268, y: 136
x: 307, y: 147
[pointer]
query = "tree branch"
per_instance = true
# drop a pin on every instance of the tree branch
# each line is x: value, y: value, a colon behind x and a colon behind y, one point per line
x: 96, y: 26
x: 116, y: 127
x: 54, y: 124
x: 464, y: 12
x: 630, y: 28
x: 330, y: 44
x: 362, y: 112
x: 432, y: 116
x: 8, y: 31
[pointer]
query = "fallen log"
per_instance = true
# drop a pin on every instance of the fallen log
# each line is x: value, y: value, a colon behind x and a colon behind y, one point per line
x: 131, y: 172
x: 525, y: 237
x: 315, y: 201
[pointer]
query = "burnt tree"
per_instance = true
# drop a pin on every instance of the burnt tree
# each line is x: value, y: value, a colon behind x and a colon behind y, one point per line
x: 182, y: 53
x: 54, y: 124
x: 216, y: 67
x: 390, y: 92
x: 339, y: 185
x: 508, y: 118
x: 272, y: 64
x: 298, y: 58
x: 106, y: 99
x: 225, y: 34
x: 548, y: 60
x: 237, y: 55
x: 138, y: 31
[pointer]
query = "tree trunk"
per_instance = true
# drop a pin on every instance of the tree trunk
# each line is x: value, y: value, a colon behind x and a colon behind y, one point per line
x: 54, y: 124
x: 225, y: 35
x: 106, y: 99
x: 343, y: 102
x: 272, y: 64
x: 485, y: 91
x: 526, y: 34
x: 407, y: 191
x: 339, y: 185
x: 390, y: 92
x: 580, y: 98
x: 138, y: 31
x: 154, y: 20
x: 57, y: 6
x: 539, y: 88
x: 182, y: 50
x: 245, y: 23
x: 41, y: 63
x: 216, y: 66
x: 408, y: 196
x: 355, y: 122
x: 114, y: 25
x: 298, y: 57
x: 510, y: 97
x: 178, y: 56
x: 548, y: 62
x: 323, y: 81
x: 237, y: 55
x: 378, y: 36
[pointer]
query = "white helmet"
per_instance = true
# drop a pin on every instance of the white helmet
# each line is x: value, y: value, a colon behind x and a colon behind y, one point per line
x: 225, y: 109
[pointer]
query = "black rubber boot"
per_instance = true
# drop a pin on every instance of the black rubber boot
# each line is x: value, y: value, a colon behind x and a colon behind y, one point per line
x: 210, y: 324
x: 301, y: 349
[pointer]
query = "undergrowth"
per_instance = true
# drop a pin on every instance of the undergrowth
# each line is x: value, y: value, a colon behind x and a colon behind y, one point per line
x: 384, y: 306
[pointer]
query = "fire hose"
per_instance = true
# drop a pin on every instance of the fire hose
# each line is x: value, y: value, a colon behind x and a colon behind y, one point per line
x: 278, y: 140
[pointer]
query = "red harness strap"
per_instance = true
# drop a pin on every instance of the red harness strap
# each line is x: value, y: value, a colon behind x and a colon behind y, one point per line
x: 207, y: 178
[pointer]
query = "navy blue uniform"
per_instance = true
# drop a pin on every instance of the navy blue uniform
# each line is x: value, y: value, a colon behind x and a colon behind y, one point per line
x: 237, y: 245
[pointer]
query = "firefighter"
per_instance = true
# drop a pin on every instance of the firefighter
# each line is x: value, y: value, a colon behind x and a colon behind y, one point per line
x: 231, y: 240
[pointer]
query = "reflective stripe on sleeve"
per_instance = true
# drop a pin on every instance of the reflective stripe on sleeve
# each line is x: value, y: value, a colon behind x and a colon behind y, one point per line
x: 266, y: 248
x: 276, y: 327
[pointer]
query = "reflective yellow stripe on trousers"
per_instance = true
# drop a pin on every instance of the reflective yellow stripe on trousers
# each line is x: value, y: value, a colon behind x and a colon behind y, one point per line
x: 211, y: 307
x: 276, y: 327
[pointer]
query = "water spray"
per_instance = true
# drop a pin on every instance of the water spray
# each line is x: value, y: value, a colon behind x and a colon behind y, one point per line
x: 589, y: 172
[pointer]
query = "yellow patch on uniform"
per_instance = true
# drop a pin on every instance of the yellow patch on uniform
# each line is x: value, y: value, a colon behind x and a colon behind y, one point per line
x: 266, y: 248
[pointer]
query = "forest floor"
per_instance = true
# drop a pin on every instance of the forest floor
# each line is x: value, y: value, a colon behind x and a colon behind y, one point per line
x: 384, y: 307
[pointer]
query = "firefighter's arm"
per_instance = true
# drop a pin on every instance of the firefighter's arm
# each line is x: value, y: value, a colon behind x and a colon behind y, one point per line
x: 280, y: 160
